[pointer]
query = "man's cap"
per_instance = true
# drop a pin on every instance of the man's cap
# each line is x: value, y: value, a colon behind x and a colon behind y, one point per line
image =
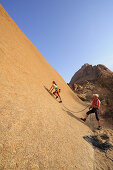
x: 96, y: 95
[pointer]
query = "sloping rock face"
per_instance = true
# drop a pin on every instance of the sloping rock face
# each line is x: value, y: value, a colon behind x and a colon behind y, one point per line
x: 95, y: 79
x: 36, y: 131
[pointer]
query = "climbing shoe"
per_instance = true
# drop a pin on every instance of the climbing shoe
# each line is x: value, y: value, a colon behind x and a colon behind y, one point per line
x: 83, y: 119
x: 60, y: 101
x: 56, y: 97
x: 99, y: 128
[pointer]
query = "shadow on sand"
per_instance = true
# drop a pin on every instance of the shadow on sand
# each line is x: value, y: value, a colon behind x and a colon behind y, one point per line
x: 48, y: 90
x: 77, y: 118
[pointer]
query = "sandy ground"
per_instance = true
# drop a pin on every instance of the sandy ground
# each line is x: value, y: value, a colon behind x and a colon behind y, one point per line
x: 38, y: 132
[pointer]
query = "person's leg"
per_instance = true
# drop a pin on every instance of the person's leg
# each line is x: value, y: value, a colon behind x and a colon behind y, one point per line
x: 97, y: 117
x: 87, y: 114
x: 99, y: 123
x: 59, y: 97
x: 55, y: 93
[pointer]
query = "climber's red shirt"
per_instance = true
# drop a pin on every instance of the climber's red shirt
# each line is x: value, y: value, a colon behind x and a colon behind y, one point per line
x: 96, y: 103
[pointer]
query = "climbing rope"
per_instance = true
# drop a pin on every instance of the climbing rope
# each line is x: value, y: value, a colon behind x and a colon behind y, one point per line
x: 74, y: 111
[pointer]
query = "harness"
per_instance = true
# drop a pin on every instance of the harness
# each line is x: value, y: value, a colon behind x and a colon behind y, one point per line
x: 97, y: 102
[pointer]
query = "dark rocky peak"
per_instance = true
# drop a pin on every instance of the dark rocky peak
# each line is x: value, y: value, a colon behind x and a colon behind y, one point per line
x: 84, y: 66
x: 104, y: 69
x: 89, y: 72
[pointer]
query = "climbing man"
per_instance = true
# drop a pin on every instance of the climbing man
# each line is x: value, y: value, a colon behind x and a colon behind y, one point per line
x: 94, y: 108
x: 57, y: 94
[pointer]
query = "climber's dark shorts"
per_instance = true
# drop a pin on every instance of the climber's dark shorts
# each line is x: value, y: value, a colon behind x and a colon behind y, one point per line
x: 56, y: 92
x: 96, y: 111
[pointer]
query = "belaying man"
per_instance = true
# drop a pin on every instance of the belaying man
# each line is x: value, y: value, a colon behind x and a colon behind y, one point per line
x: 94, y: 108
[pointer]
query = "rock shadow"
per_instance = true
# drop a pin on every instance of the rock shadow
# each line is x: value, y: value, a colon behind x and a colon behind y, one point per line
x: 78, y: 119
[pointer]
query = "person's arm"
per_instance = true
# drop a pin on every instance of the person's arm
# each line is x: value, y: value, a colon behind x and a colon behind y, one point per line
x: 51, y: 88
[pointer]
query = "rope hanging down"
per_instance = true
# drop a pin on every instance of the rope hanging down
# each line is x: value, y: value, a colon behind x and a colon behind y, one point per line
x: 77, y: 111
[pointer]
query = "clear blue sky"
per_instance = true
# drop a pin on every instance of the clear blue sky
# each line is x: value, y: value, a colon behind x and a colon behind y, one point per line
x: 68, y: 33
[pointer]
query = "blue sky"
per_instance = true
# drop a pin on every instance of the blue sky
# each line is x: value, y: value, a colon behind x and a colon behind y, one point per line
x: 68, y: 33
